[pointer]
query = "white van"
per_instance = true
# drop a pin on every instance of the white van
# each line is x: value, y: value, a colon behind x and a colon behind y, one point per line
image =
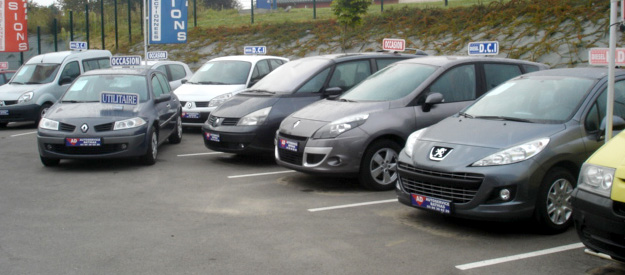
x: 42, y: 80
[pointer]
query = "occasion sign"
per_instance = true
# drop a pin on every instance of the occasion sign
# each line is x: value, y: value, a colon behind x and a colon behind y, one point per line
x: 13, y: 33
x: 168, y: 21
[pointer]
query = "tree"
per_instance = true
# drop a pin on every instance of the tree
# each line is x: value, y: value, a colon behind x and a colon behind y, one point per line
x: 349, y: 13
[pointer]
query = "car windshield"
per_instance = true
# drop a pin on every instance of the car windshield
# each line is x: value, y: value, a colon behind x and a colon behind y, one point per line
x: 393, y: 82
x: 36, y: 73
x: 541, y: 99
x: 227, y: 72
x: 88, y: 88
x: 291, y: 75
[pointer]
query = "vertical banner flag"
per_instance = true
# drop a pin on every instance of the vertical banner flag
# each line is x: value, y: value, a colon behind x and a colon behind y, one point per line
x: 168, y: 21
x: 13, y: 32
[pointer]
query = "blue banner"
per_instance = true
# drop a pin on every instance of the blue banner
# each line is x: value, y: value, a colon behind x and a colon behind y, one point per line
x: 168, y: 21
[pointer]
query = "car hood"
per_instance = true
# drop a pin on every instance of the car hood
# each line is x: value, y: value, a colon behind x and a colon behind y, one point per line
x: 14, y: 91
x: 241, y: 105
x: 495, y: 134
x: 331, y: 110
x: 106, y: 112
x: 197, y: 92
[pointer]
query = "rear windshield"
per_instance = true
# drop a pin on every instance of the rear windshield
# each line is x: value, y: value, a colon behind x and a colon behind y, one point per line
x: 226, y: 72
x: 290, y: 76
x: 36, y: 74
x: 88, y: 88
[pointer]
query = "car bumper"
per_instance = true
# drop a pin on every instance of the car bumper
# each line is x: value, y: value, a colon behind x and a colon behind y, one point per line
x: 112, y: 146
x: 473, y: 192
x: 195, y: 117
x: 340, y: 155
x: 238, y: 139
x: 19, y: 112
x: 600, y: 223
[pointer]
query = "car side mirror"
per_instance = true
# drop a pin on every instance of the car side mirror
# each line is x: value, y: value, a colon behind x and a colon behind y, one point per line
x: 183, y: 81
x: 65, y: 80
x: 618, y: 124
x: 163, y: 98
x: 431, y: 100
x: 333, y: 92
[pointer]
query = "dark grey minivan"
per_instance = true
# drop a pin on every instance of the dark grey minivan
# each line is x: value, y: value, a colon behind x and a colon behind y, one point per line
x: 516, y: 152
x: 363, y: 130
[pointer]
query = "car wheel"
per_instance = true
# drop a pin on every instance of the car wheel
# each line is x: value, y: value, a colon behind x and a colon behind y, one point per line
x: 150, y: 155
x: 378, y: 170
x: 42, y: 111
x: 553, y: 206
x: 49, y: 161
x: 176, y: 135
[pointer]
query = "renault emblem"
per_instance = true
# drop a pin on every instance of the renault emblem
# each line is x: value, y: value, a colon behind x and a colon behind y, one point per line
x: 296, y: 123
x: 84, y: 128
x: 188, y: 105
x: 439, y: 153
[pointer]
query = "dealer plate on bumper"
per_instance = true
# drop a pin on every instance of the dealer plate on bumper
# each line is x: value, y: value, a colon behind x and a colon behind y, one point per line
x: 4, y: 112
x: 78, y: 142
x: 288, y: 144
x: 212, y: 137
x: 438, y: 205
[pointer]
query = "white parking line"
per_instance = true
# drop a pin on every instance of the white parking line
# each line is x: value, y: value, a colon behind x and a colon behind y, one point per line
x: 350, y: 205
x: 23, y: 134
x: 200, y: 154
x: 520, y: 256
x: 260, y: 174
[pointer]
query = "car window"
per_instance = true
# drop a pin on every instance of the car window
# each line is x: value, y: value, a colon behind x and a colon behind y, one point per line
x: 457, y: 84
x: 9, y: 75
x: 94, y: 64
x: 260, y: 70
x: 499, y: 73
x: 530, y: 68
x: 2, y: 79
x: 36, y: 73
x: 275, y: 63
x: 598, y: 111
x: 88, y: 88
x: 157, y: 88
x: 348, y: 74
x: 226, y: 72
x: 177, y: 72
x: 162, y: 68
x: 315, y: 84
x: 71, y: 71
x: 392, y: 82
x: 288, y: 77
x: 164, y: 84
x: 382, y: 63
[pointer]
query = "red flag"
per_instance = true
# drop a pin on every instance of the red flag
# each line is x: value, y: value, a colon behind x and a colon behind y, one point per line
x: 13, y: 27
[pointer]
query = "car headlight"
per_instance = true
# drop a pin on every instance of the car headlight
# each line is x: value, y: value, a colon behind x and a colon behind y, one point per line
x: 337, y: 127
x: 25, y: 97
x: 515, y: 154
x: 596, y: 179
x: 129, y: 123
x: 412, y: 139
x: 48, y: 124
x: 255, y: 118
x: 219, y: 100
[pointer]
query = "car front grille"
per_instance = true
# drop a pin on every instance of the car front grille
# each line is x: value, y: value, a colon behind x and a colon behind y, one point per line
x: 85, y: 150
x: 225, y: 121
x: 67, y: 127
x: 455, y: 187
x: 10, y: 102
x: 203, y: 104
x: 104, y: 127
x: 290, y: 156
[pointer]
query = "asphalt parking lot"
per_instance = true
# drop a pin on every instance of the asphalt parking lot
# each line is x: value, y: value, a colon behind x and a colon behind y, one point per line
x: 202, y: 212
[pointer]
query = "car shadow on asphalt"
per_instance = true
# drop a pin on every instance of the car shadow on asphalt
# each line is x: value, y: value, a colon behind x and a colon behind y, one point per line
x: 323, y: 184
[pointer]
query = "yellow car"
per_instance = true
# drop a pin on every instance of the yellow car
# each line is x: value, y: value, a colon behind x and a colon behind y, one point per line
x: 599, y: 200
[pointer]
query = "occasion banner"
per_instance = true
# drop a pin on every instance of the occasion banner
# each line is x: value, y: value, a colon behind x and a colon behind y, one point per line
x: 13, y: 31
x: 168, y: 21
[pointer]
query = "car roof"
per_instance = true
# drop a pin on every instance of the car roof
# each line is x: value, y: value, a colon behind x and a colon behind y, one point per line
x: 159, y: 62
x: 138, y: 70
x: 59, y: 57
x: 251, y: 58
x: 350, y: 56
x: 453, y: 60
x: 586, y: 72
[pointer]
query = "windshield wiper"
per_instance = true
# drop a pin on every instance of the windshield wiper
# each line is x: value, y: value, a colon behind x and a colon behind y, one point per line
x: 211, y: 83
x: 463, y: 114
x: 261, y: 91
x: 69, y: 101
x: 505, y: 118
x: 346, y: 100
x: 33, y: 82
x: 15, y: 82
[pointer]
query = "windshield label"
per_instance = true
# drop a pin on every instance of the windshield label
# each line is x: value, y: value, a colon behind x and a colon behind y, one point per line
x: 119, y: 98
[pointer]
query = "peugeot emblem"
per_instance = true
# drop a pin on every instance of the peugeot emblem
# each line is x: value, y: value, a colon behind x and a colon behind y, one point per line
x: 296, y: 123
x: 439, y: 153
x: 188, y: 105
x: 84, y: 128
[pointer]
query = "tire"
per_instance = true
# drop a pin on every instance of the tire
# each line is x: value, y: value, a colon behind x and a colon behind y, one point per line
x: 49, y: 162
x: 150, y: 155
x: 378, y: 170
x: 554, y: 203
x: 42, y: 111
x: 176, y: 135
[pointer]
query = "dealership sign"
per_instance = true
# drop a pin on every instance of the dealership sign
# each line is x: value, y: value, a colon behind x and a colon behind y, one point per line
x: 397, y: 45
x: 599, y: 56
x: 484, y: 48
x: 13, y: 33
x: 168, y: 21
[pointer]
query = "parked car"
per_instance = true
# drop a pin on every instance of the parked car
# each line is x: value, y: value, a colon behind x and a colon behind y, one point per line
x: 515, y: 153
x: 112, y: 113
x: 42, y: 80
x: 599, y: 200
x: 5, y: 76
x: 247, y: 123
x: 362, y: 131
x: 218, y: 80
x: 177, y: 72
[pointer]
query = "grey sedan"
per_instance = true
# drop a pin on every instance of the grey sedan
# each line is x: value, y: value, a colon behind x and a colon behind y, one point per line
x: 111, y: 113
x: 515, y: 153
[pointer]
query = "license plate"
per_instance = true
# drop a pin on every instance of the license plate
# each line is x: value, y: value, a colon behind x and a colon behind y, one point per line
x: 212, y: 137
x: 4, y: 112
x: 77, y: 142
x: 190, y: 115
x: 288, y: 144
x: 438, y: 205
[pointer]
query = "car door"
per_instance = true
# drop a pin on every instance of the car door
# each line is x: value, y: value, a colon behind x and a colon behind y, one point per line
x: 162, y: 107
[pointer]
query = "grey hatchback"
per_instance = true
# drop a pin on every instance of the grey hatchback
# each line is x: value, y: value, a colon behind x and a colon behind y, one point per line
x: 515, y: 153
x: 363, y: 130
